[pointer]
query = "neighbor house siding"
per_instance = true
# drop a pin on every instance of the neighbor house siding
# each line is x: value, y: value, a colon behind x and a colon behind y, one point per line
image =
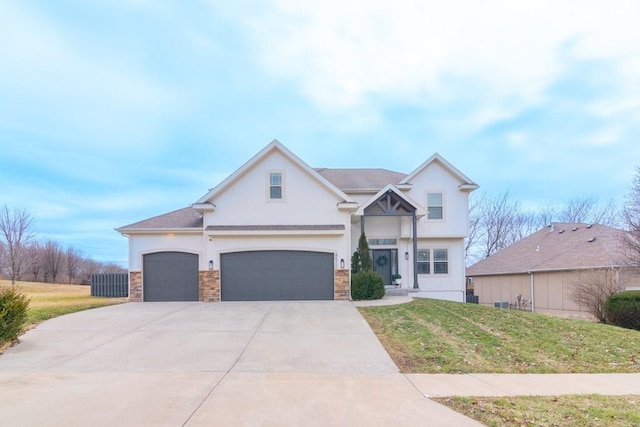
x: 553, y: 291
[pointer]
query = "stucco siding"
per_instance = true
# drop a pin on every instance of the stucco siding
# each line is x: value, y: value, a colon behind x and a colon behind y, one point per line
x: 141, y: 244
x: 305, y: 200
x: 436, y: 179
x: 449, y: 286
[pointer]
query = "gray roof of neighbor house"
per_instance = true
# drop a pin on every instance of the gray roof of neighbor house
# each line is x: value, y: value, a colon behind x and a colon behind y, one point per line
x: 561, y: 246
x: 361, y: 179
x: 181, y: 218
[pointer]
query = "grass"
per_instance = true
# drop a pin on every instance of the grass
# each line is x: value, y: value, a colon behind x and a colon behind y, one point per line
x: 52, y: 300
x: 431, y: 336
x: 583, y: 410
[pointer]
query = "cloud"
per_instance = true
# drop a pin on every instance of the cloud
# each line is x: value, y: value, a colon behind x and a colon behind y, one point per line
x: 341, y: 53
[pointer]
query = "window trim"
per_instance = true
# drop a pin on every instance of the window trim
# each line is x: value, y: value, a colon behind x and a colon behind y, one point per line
x: 432, y: 261
x: 269, y: 186
x: 442, y: 205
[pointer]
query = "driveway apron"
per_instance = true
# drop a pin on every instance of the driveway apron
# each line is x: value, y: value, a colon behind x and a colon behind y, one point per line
x: 246, y: 363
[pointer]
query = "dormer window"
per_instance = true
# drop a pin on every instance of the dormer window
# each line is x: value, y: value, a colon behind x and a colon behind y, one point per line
x: 434, y: 206
x: 275, y: 186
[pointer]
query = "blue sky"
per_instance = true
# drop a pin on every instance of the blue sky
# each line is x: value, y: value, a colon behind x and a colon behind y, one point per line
x: 115, y: 111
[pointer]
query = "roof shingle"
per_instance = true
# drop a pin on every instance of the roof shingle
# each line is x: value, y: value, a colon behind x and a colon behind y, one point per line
x: 181, y: 218
x: 561, y: 246
x: 361, y: 179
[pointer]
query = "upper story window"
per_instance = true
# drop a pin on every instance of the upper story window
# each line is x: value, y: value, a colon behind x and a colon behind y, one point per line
x: 434, y: 206
x: 275, y: 186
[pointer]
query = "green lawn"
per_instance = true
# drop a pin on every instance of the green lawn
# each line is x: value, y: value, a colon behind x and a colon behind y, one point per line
x: 50, y: 300
x: 431, y: 336
x: 582, y: 411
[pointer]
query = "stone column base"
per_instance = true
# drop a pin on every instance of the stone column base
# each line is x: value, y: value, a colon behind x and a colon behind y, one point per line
x: 135, y: 286
x: 341, y: 285
x: 209, y: 285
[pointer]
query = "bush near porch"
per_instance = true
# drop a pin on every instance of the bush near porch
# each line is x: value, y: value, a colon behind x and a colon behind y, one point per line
x: 366, y: 285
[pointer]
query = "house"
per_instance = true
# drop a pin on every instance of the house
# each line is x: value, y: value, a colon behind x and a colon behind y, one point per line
x: 541, y: 271
x: 277, y: 229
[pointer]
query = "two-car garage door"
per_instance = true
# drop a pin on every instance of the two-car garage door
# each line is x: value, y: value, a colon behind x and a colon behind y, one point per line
x: 245, y: 276
x: 276, y: 275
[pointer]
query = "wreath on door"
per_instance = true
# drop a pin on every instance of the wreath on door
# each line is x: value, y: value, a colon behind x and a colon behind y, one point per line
x: 382, y: 260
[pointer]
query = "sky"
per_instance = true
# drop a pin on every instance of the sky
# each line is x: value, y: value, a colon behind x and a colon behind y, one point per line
x: 113, y: 111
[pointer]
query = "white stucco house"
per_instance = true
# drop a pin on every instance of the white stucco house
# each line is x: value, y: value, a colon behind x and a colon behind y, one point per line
x: 278, y: 229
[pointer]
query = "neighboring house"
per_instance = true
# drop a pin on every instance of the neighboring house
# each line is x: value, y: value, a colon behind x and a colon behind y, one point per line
x: 548, y: 264
x: 277, y: 229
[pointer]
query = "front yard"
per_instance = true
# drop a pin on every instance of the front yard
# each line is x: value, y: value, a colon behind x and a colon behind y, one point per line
x: 431, y: 336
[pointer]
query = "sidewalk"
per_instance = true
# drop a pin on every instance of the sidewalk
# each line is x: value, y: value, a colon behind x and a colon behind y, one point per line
x: 439, y: 385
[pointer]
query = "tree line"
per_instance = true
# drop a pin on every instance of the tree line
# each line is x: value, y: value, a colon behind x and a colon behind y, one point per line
x: 24, y: 257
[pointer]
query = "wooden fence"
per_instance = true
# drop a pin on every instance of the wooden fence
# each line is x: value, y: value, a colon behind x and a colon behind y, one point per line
x: 115, y: 285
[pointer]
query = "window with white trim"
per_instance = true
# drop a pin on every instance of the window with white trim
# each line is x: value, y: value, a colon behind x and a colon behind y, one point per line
x: 439, y: 264
x: 440, y: 261
x: 275, y: 186
x: 424, y: 261
x: 434, y: 206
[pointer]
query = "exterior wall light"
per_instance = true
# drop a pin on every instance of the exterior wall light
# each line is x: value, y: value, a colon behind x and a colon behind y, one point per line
x: 210, y: 264
x: 406, y: 256
x: 341, y: 262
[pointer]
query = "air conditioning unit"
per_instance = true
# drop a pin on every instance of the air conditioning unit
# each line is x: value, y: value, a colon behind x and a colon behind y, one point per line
x: 501, y: 304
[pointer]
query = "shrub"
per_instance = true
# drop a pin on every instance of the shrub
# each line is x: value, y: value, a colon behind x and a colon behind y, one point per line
x: 13, y: 313
x: 366, y: 285
x: 623, y: 310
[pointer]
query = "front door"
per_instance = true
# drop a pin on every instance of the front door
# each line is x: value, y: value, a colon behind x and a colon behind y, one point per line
x: 382, y: 264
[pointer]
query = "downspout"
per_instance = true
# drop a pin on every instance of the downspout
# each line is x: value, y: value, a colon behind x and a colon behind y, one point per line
x: 415, y: 251
x: 533, y: 289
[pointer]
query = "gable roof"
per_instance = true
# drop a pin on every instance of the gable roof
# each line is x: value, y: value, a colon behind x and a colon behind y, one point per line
x: 361, y: 179
x: 466, y: 183
x: 420, y: 211
x: 181, y: 219
x: 561, y: 246
x: 275, y: 145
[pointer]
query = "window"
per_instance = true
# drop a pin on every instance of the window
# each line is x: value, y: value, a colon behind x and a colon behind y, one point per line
x: 438, y: 265
x: 423, y: 261
x: 440, y: 261
x: 434, y: 205
x: 275, y: 185
x: 381, y: 242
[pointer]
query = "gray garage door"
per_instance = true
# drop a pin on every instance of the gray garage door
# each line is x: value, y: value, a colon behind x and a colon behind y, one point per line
x: 276, y: 275
x: 170, y: 276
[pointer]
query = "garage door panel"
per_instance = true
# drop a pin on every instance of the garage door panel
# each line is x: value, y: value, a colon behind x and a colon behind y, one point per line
x: 276, y: 275
x: 170, y: 276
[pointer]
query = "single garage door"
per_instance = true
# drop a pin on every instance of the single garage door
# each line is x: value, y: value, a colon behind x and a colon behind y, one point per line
x: 276, y: 276
x: 170, y: 276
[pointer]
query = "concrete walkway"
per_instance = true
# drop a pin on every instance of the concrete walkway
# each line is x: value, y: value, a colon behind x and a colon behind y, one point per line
x: 192, y: 364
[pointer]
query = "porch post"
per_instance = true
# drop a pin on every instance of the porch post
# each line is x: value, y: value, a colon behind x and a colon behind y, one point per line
x: 415, y: 251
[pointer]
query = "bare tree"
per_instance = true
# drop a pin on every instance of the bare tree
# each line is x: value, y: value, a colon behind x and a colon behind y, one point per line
x: 631, y: 220
x: 73, y: 260
x: 111, y: 267
x: 53, y: 257
x: 593, y: 287
x: 35, y: 261
x: 16, y: 232
x: 589, y: 210
x: 89, y: 267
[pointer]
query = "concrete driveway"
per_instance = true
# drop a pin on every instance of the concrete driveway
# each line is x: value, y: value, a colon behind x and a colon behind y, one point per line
x: 174, y: 364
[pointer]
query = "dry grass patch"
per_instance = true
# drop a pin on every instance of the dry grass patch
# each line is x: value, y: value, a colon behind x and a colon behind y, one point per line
x: 583, y: 410
x: 51, y: 300
x: 431, y: 336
